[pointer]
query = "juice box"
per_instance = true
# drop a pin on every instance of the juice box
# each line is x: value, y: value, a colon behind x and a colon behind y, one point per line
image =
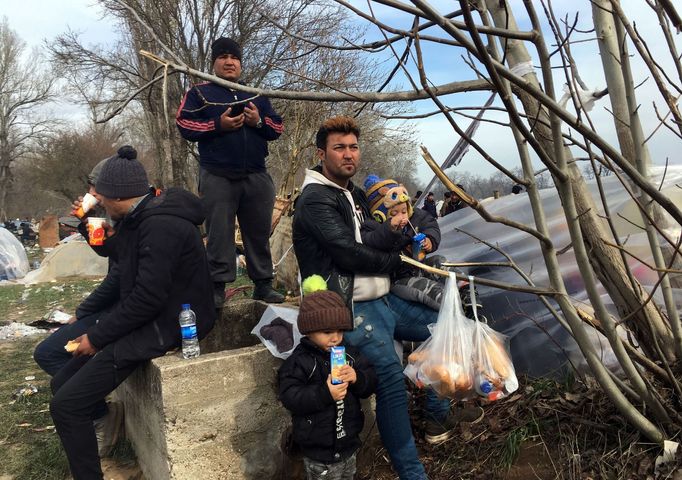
x: 337, y: 360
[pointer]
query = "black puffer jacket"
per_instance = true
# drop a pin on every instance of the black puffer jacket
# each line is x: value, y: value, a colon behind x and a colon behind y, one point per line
x: 324, y: 239
x: 161, y: 264
x: 303, y: 391
x: 382, y: 237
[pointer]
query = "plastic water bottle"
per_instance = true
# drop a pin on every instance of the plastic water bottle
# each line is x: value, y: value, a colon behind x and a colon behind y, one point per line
x: 483, y: 385
x: 188, y: 328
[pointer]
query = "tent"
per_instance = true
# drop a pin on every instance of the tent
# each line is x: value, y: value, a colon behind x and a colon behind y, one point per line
x: 13, y: 261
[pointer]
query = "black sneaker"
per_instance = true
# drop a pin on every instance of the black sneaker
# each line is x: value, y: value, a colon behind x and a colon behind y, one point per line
x: 264, y: 292
x: 439, y: 432
x: 218, y: 294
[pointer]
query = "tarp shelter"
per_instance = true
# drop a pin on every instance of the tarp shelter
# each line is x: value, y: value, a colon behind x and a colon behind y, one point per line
x: 69, y: 260
x: 540, y: 345
x: 13, y: 261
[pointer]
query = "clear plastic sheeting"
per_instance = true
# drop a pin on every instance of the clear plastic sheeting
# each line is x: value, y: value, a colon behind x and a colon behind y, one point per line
x: 13, y: 261
x: 540, y: 346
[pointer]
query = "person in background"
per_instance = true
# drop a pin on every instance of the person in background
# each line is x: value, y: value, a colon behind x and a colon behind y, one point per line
x: 430, y: 205
x: 233, y: 180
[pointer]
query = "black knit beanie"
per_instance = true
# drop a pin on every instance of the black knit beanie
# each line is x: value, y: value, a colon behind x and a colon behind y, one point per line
x: 122, y: 176
x: 223, y: 46
x: 323, y: 310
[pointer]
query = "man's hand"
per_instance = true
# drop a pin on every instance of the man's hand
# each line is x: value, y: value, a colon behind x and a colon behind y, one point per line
x: 108, y: 230
x: 427, y: 246
x: 339, y: 391
x: 347, y: 374
x: 398, y: 222
x: 84, y: 347
x: 251, y: 115
x: 230, y: 124
x: 75, y: 206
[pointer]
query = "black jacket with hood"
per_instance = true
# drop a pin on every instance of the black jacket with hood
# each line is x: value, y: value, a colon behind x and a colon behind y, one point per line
x: 161, y: 264
x: 382, y: 237
x: 324, y: 237
x: 315, y: 415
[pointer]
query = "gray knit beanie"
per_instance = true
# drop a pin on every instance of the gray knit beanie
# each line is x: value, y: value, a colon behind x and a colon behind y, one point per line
x: 94, y: 173
x: 122, y: 176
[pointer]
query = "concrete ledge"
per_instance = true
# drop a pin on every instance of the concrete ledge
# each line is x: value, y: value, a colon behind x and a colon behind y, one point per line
x: 216, y: 416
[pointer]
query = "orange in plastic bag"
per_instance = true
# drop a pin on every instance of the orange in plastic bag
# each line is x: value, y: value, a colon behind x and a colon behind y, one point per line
x: 443, y: 361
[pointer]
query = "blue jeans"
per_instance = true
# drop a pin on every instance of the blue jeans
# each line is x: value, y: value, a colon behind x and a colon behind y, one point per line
x: 377, y: 324
x: 51, y: 356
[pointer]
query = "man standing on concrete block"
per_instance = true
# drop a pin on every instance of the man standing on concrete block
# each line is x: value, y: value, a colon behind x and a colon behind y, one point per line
x: 233, y: 143
x: 161, y: 264
x: 327, y: 242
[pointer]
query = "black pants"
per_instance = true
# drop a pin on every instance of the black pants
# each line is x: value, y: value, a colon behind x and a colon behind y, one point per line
x: 78, y: 388
x: 250, y: 200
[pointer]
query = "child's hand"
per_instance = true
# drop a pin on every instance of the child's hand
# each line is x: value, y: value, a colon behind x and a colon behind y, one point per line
x: 397, y: 223
x: 347, y: 374
x: 338, y: 392
x: 427, y: 245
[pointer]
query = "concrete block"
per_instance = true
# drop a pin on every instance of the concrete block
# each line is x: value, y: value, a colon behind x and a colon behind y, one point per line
x: 216, y: 416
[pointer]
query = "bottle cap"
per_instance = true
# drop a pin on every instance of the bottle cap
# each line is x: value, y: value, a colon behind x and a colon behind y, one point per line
x: 185, y: 306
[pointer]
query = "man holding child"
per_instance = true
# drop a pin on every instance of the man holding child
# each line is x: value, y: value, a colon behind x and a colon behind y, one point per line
x: 327, y: 241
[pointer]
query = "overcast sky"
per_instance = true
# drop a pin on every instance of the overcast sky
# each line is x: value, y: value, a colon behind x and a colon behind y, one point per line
x: 37, y: 21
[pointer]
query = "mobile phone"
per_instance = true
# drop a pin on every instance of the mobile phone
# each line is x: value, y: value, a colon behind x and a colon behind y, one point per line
x: 237, y: 110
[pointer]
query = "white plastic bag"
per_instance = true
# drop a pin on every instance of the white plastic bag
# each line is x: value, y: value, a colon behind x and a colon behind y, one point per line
x: 276, y: 313
x: 443, y: 361
x: 493, y: 369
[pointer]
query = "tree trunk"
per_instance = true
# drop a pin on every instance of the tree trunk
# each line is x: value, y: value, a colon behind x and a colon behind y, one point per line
x: 646, y: 321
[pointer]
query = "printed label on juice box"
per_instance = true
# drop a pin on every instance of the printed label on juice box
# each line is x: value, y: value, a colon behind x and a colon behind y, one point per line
x: 338, y: 360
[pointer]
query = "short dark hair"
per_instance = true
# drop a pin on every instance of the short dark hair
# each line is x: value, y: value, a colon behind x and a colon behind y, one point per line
x: 430, y: 194
x: 340, y: 124
x: 418, y: 194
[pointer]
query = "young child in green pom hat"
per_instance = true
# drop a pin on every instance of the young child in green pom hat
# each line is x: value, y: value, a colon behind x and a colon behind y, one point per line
x: 326, y: 418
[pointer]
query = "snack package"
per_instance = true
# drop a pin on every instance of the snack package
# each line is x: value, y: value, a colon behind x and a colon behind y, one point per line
x: 443, y: 361
x: 337, y: 360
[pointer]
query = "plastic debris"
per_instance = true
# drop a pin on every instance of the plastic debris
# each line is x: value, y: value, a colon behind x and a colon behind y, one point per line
x: 25, y: 391
x: 18, y: 330
x: 668, y: 455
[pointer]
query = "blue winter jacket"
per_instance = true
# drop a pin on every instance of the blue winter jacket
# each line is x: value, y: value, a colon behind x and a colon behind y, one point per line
x: 239, y: 151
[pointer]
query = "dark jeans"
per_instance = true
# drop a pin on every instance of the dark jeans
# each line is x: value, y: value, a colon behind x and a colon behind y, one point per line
x: 78, y: 388
x: 51, y: 356
x: 377, y: 324
x: 250, y: 200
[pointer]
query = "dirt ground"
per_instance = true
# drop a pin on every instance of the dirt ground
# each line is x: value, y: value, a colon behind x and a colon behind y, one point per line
x: 545, y: 430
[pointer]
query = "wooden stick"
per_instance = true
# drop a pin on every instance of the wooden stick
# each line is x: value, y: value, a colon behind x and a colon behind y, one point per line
x: 482, y: 281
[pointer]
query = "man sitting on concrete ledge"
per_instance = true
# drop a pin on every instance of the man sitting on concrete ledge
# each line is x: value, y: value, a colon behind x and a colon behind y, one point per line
x: 161, y: 265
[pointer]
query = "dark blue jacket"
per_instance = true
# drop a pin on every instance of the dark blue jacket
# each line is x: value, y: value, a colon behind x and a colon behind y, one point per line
x: 239, y: 151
